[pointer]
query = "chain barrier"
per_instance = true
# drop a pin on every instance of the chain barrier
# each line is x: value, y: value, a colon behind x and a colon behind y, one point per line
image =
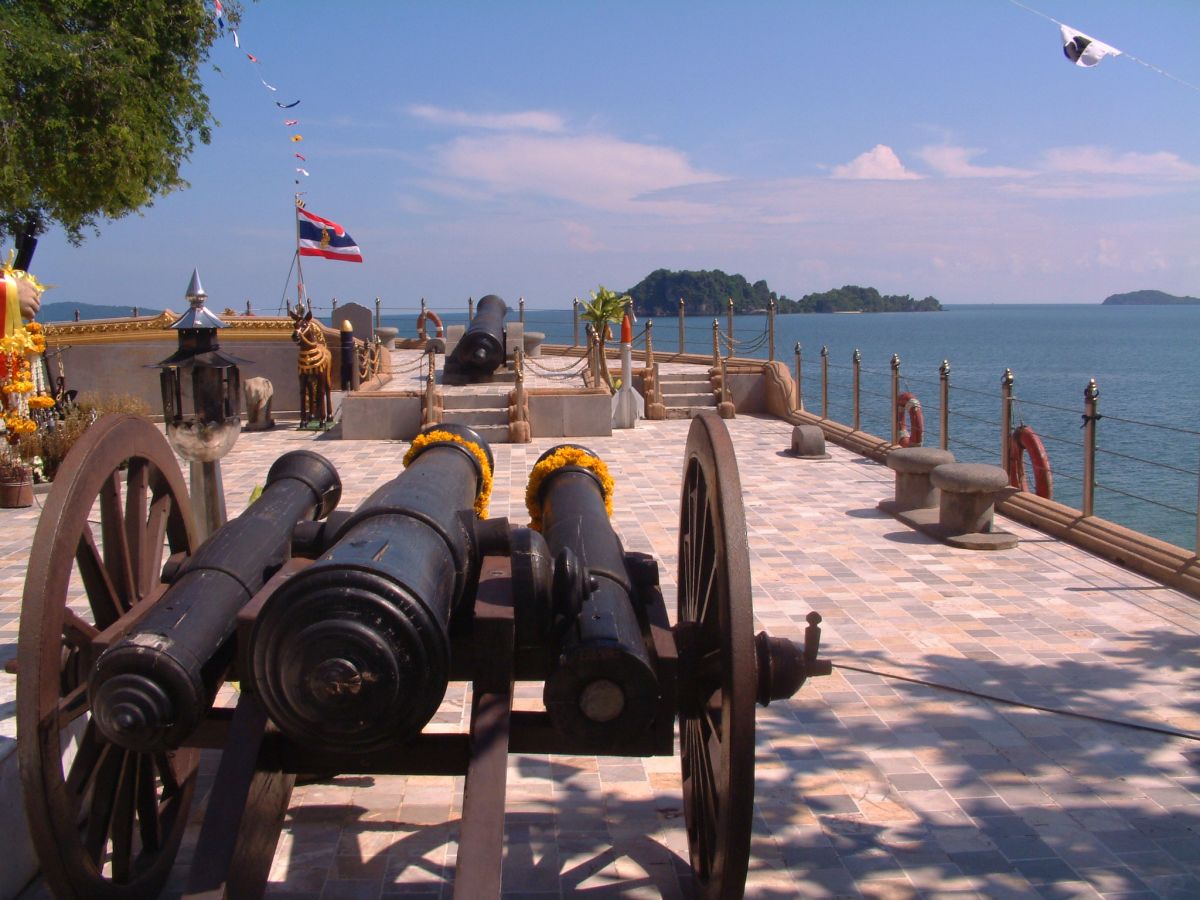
x: 556, y: 373
x: 749, y: 344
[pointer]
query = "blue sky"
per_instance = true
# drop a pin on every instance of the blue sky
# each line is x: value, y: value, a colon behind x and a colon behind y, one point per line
x: 538, y: 149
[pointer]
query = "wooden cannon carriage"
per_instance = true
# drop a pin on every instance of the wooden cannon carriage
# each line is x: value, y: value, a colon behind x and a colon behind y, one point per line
x: 343, y: 630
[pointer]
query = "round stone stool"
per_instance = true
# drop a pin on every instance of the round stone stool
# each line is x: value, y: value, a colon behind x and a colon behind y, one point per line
x: 968, y: 496
x: 533, y: 343
x: 912, y: 466
x: 808, y: 442
x: 386, y: 334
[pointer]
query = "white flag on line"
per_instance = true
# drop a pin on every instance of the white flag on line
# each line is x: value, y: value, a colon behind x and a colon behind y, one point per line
x: 1084, y: 50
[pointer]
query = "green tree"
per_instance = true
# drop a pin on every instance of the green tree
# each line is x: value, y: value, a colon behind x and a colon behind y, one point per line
x: 607, y: 308
x: 100, y: 104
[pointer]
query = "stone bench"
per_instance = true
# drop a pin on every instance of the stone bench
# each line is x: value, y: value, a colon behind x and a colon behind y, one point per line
x: 912, y: 466
x: 808, y: 442
x: 967, y: 510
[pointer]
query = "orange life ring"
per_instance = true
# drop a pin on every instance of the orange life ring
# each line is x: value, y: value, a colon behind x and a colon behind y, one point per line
x: 912, y: 432
x: 1025, y: 440
x: 428, y: 314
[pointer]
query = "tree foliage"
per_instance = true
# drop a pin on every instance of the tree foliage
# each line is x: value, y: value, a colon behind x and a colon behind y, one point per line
x: 606, y: 308
x: 100, y: 104
x: 707, y: 292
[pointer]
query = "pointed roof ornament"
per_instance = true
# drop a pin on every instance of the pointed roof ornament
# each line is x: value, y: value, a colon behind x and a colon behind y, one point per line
x: 194, y: 288
x: 197, y: 316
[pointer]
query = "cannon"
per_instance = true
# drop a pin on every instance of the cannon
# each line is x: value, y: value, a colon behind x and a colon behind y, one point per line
x: 481, y: 349
x: 343, y: 630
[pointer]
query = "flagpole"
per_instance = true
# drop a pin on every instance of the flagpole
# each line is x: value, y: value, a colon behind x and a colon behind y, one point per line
x: 299, y: 268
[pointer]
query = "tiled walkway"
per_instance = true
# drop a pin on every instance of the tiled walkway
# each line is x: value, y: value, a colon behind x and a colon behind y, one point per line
x: 887, y: 779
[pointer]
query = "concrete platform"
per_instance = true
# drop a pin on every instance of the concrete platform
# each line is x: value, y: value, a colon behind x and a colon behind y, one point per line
x: 1017, y: 724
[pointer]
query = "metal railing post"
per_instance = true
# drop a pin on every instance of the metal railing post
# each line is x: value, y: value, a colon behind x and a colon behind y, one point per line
x: 856, y: 365
x: 470, y: 308
x: 519, y: 365
x: 575, y: 322
x: 771, y: 330
x: 729, y: 319
x: 799, y: 380
x: 895, y: 398
x: 378, y: 304
x: 681, y: 342
x: 1091, y: 403
x: 726, y: 396
x: 944, y: 424
x: 716, y: 344
x: 1006, y: 398
x: 824, y: 382
x: 649, y: 343
x: 521, y: 310
x: 430, y: 381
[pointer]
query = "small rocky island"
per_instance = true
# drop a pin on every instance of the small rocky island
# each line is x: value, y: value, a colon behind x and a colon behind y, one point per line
x: 1149, y: 298
x: 707, y: 292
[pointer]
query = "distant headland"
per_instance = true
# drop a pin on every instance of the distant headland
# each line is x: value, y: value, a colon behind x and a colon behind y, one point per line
x: 1149, y: 298
x: 707, y: 292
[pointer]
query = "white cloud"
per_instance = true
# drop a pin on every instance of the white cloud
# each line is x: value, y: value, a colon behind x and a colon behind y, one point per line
x: 955, y: 162
x: 1102, y: 161
x: 597, y: 171
x: 529, y: 120
x: 880, y: 163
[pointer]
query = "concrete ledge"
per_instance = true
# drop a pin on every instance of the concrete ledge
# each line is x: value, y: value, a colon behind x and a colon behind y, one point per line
x: 381, y: 415
x: 569, y: 412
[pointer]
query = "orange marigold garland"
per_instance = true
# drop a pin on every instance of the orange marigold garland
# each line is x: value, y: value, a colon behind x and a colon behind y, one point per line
x: 421, y: 441
x: 17, y: 381
x: 565, y: 456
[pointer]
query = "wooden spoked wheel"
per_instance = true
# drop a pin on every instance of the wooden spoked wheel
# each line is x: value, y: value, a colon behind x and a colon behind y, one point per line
x: 714, y: 636
x: 106, y: 822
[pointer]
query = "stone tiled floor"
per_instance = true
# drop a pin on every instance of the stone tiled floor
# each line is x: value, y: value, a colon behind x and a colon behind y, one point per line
x: 890, y: 778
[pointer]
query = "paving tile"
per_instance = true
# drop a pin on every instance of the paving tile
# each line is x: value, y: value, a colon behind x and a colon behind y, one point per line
x: 867, y: 785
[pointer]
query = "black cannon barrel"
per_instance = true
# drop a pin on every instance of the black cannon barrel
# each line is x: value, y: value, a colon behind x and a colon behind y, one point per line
x: 603, y: 681
x: 152, y: 688
x: 353, y: 653
x: 481, y: 347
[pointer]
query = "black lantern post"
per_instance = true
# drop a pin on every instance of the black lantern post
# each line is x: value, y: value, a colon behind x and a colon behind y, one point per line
x: 201, y: 392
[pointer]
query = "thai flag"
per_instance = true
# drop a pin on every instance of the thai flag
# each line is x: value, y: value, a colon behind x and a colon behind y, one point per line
x: 321, y: 237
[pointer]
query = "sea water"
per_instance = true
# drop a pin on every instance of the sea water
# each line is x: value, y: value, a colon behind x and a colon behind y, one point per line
x: 1144, y: 360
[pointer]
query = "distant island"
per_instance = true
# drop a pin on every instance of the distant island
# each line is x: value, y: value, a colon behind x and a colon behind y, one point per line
x: 1149, y: 298
x: 707, y: 292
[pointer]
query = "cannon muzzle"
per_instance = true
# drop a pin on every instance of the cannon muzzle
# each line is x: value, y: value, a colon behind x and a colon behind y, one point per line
x: 353, y: 653
x: 602, y: 681
x: 481, y: 349
x: 152, y: 688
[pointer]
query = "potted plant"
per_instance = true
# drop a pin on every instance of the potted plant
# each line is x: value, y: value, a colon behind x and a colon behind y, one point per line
x: 607, y: 308
x: 16, y: 480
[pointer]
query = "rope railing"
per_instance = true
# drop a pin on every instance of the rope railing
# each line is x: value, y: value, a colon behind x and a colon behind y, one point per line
x: 1111, y: 418
x: 1150, y: 500
x: 1148, y: 462
x: 1068, y: 442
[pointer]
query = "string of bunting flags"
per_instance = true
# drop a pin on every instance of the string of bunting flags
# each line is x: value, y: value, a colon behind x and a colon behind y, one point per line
x: 316, y: 236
